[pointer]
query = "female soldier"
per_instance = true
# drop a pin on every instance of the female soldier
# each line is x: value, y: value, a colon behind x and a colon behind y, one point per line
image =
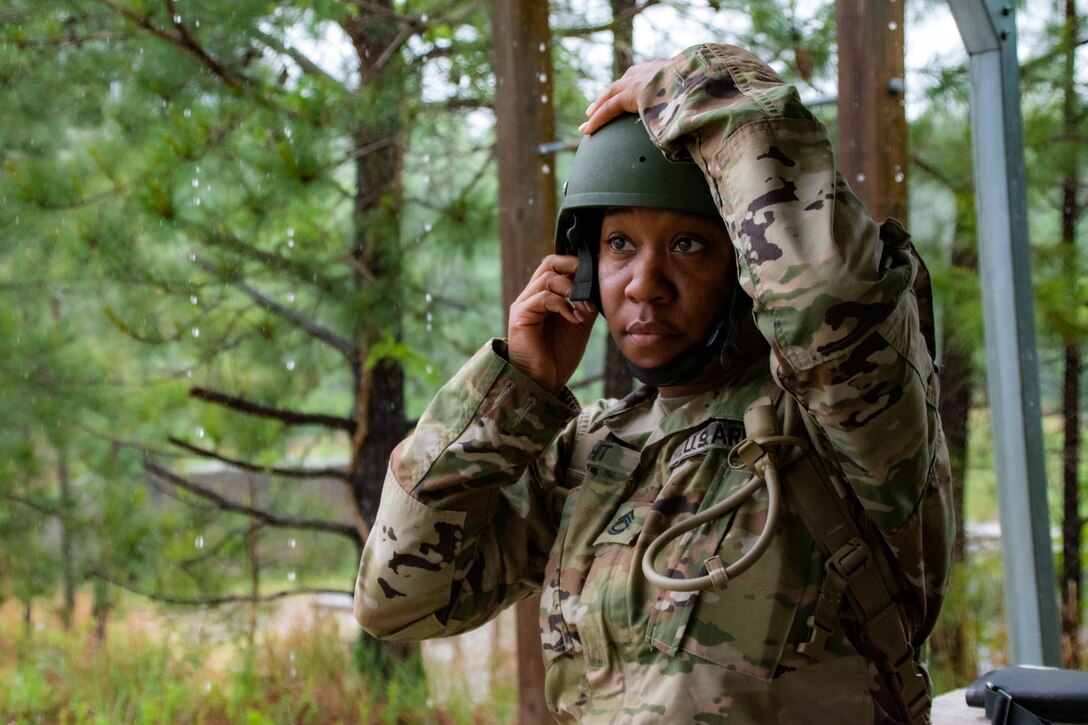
x: 679, y: 581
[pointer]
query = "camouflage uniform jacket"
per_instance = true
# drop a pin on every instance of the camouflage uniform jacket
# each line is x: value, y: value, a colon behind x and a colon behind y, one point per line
x: 470, y: 521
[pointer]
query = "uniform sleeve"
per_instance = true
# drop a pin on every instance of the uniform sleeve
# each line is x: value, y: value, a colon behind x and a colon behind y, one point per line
x: 461, y: 531
x: 832, y: 298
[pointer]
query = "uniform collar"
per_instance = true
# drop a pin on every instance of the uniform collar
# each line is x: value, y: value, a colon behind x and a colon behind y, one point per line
x: 630, y: 420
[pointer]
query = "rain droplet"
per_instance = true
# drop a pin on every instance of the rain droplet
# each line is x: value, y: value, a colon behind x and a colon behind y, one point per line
x: 428, y: 297
x: 893, y: 25
x: 861, y: 178
x: 292, y: 544
x: 207, y: 687
x: 290, y: 243
x: 543, y: 47
x: 196, y: 200
x: 427, y: 227
x: 199, y: 432
x: 177, y: 18
x: 287, y: 131
x: 290, y: 365
x: 899, y: 176
x: 196, y: 183
x: 290, y: 296
x: 192, y: 256
x: 545, y: 169
x: 187, y: 113
x: 193, y: 300
x: 544, y: 98
x: 196, y: 332
x: 290, y: 576
x: 199, y: 543
x: 543, y: 77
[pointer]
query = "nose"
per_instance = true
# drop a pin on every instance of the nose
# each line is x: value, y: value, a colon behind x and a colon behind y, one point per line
x: 650, y: 281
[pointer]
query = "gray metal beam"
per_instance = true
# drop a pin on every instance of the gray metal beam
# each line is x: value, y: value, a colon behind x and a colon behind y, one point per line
x: 988, y: 29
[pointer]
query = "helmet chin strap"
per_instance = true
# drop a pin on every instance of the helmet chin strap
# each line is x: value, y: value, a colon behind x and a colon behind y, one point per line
x: 687, y: 365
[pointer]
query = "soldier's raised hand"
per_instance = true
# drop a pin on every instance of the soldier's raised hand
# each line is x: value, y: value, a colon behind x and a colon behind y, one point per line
x: 546, y: 333
x: 622, y: 95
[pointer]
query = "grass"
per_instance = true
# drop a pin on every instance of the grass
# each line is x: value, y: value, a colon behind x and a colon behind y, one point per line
x: 303, y: 672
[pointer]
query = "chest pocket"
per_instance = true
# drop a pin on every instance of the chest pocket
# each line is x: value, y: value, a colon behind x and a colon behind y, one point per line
x: 593, y: 510
x: 745, y: 626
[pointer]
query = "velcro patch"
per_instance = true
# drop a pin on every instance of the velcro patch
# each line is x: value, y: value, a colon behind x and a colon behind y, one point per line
x: 614, y: 458
x: 718, y: 433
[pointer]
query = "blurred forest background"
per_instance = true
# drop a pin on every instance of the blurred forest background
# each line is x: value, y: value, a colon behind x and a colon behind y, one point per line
x: 241, y: 244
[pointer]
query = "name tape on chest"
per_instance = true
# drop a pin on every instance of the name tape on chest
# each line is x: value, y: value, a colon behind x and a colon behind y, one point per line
x: 720, y: 434
x: 612, y: 457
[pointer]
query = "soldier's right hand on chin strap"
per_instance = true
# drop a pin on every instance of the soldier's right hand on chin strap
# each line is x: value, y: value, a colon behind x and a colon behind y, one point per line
x: 547, y: 333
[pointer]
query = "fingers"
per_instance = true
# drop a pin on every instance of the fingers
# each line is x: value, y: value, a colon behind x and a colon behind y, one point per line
x: 563, y: 264
x: 547, y: 302
x: 611, y: 104
x: 549, y: 292
x: 622, y: 95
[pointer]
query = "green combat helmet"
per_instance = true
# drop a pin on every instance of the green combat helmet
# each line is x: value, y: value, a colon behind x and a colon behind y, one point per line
x: 619, y: 165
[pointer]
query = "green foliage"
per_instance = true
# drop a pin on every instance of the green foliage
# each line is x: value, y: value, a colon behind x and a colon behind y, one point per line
x: 183, y: 207
x: 301, y: 675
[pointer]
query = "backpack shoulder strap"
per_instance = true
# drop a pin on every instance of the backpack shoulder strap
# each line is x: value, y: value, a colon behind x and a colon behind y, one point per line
x: 852, y: 572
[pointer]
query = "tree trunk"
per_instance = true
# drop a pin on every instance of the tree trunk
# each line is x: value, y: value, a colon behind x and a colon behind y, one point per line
x: 1072, y: 523
x: 252, y: 560
x: 376, y: 256
x: 379, y: 389
x: 1071, y: 575
x: 950, y: 643
x: 67, y: 538
x: 617, y: 380
x: 527, y: 207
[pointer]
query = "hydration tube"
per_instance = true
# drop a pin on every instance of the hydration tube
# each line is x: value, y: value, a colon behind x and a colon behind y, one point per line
x: 760, y: 453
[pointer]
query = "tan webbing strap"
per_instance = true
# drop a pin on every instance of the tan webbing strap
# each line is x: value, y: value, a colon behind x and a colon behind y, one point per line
x: 556, y: 497
x: 850, y: 572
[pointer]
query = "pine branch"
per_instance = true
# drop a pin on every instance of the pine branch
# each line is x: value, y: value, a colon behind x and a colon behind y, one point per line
x: 270, y: 470
x: 266, y: 517
x: 314, y: 329
x: 180, y: 37
x: 300, y: 58
x: 290, y: 417
x: 610, y: 26
x: 216, y: 601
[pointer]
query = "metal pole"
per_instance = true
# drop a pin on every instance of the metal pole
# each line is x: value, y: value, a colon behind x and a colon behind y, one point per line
x: 988, y: 29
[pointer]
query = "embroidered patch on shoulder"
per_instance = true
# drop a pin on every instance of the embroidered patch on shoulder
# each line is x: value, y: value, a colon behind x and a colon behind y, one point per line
x: 719, y: 433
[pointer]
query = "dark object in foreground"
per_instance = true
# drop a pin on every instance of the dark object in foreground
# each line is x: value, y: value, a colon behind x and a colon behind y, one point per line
x: 1028, y: 695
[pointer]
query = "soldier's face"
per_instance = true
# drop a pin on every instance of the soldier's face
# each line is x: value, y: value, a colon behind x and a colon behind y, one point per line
x: 665, y: 278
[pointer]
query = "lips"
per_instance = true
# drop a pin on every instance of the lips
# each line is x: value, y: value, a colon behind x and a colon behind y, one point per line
x: 650, y: 333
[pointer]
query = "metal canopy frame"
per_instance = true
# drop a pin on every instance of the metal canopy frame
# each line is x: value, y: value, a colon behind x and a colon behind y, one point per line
x: 988, y: 29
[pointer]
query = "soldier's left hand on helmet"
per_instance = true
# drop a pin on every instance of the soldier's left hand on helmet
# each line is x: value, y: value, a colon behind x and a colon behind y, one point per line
x: 622, y: 95
x: 546, y: 332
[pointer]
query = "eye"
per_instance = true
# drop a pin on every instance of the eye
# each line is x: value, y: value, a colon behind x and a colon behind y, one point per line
x: 687, y: 245
x: 618, y: 243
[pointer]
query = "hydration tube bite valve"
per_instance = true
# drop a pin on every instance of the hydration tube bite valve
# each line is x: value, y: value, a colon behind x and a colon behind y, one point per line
x: 762, y: 453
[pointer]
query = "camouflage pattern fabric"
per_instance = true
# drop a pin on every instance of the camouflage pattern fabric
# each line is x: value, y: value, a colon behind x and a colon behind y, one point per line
x: 470, y: 520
